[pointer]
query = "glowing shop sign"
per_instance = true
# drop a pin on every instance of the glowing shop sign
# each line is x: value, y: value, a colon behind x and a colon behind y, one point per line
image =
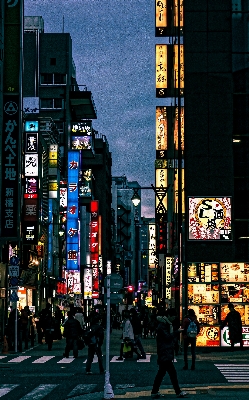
x: 210, y: 218
x: 73, y: 210
x: 161, y: 128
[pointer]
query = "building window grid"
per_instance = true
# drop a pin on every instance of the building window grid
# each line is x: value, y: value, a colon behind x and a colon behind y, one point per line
x: 53, y: 79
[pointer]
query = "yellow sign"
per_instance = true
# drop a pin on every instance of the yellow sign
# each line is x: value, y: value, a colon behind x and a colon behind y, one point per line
x: 161, y: 13
x: 161, y: 66
x: 161, y: 128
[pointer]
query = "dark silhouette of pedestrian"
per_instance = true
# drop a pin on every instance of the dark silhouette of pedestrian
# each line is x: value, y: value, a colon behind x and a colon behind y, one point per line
x: 58, y: 319
x: 137, y: 330
x: 72, y: 333
x: 165, y: 353
x: 233, y: 320
x: 47, y: 324
x: 25, y: 324
x: 190, y: 338
x: 94, y: 341
x: 175, y: 320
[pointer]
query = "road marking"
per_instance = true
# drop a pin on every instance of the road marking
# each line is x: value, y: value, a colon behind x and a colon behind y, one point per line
x: 66, y: 360
x: 115, y: 359
x: 95, y: 360
x: 82, y: 389
x: 39, y: 392
x: 19, y: 359
x: 234, y: 372
x: 1, y: 357
x: 147, y: 359
x: 4, y: 389
x: 42, y: 360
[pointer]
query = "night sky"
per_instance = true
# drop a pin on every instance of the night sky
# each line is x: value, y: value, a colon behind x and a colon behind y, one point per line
x: 114, y: 52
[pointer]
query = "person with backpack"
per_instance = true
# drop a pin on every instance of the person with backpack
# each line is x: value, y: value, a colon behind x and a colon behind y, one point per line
x: 128, y: 337
x: 191, y: 329
x: 233, y: 320
x: 165, y: 352
x: 94, y: 339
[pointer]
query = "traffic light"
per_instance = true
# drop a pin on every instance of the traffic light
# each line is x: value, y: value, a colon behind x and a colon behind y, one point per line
x: 130, y: 294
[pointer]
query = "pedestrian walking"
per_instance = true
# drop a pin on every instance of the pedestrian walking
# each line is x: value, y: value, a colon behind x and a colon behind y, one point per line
x: 72, y: 333
x: 165, y: 353
x: 137, y: 330
x: 233, y: 320
x: 25, y: 325
x: 94, y: 340
x: 127, y: 337
x: 47, y: 324
x: 80, y: 317
x: 191, y: 329
x: 58, y: 318
x: 175, y: 320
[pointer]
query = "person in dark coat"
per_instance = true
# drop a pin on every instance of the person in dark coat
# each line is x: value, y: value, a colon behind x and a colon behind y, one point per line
x: 95, y: 341
x: 137, y: 330
x: 72, y: 332
x: 175, y: 320
x: 189, y: 340
x: 233, y: 320
x: 47, y: 324
x: 165, y: 353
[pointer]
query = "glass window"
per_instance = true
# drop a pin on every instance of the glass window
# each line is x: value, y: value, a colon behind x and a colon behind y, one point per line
x: 57, y: 103
x: 47, y: 79
x: 46, y: 103
x: 59, y: 79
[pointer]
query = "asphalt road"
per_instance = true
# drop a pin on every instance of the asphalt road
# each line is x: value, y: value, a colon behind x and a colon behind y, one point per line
x: 41, y: 374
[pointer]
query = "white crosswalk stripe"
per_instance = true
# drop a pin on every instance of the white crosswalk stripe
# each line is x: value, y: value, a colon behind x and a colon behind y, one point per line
x: 1, y: 357
x: 95, y: 360
x: 66, y: 360
x: 19, y: 359
x: 234, y: 372
x: 147, y: 359
x: 5, y: 389
x: 82, y: 389
x: 39, y: 392
x: 42, y: 360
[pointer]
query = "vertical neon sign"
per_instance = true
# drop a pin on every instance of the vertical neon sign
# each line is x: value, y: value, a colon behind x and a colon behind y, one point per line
x: 73, y: 210
x: 94, y: 247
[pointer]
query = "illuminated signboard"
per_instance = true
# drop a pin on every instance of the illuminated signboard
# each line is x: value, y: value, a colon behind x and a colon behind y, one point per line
x: 85, y: 184
x: 207, y: 314
x: 176, y: 127
x: 50, y: 235
x: 203, y: 293
x: 208, y: 336
x: 31, y: 126
x: 234, y: 272
x: 83, y: 128
x: 73, y: 282
x: 243, y: 309
x: 52, y: 188
x: 87, y: 283
x: 225, y: 342
x: 31, y: 145
x: 203, y: 272
x: 235, y: 293
x: 209, y: 218
x: 73, y: 210
x: 29, y: 233
x: 168, y: 278
x: 152, y: 245
x: 63, y: 194
x: 161, y: 17
x: 178, y: 64
x: 161, y: 70
x: 81, y: 142
x: 161, y: 180
x: 176, y: 11
x: 31, y: 165
x: 94, y: 246
x: 31, y: 185
x: 161, y: 128
x: 30, y: 208
x: 53, y: 156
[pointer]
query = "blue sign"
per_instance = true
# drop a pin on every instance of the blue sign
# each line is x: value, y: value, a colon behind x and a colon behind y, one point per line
x: 31, y: 126
x: 73, y: 210
x: 14, y: 260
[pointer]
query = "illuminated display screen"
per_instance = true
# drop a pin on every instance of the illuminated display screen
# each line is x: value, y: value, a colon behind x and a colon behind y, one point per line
x: 203, y: 293
x: 234, y: 272
x: 81, y: 142
x: 206, y: 314
x: 203, y: 272
x: 208, y: 336
x: 72, y: 210
x: 210, y: 218
x: 83, y: 128
x: 235, y: 293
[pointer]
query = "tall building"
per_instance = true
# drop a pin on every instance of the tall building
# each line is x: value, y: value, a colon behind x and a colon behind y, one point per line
x: 202, y: 53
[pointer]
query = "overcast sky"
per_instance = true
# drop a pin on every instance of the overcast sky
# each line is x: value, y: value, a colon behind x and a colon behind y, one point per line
x: 113, y: 49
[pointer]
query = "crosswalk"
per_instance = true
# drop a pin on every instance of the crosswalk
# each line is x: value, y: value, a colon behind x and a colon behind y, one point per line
x: 63, y: 360
x: 43, y: 390
x: 234, y: 372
